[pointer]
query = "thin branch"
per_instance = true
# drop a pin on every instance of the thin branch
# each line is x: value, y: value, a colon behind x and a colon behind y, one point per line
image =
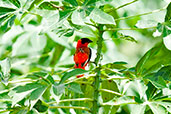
x: 154, y: 11
x: 68, y: 100
x: 109, y: 91
x: 125, y: 4
x: 70, y: 107
x: 112, y: 29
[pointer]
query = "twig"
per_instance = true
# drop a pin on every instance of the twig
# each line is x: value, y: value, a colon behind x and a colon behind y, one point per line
x: 112, y: 29
x: 68, y: 100
x: 125, y: 4
x: 71, y: 107
x: 154, y: 11
x: 110, y: 91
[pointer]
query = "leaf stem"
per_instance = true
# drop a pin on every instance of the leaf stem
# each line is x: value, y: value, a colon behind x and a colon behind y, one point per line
x: 109, y: 91
x: 70, y: 107
x: 125, y: 4
x: 68, y: 100
x: 112, y: 29
x: 154, y: 11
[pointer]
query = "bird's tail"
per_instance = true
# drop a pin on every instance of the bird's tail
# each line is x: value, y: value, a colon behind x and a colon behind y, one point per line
x: 81, y: 67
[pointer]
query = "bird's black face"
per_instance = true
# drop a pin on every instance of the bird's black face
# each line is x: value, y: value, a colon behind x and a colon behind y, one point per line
x: 85, y: 40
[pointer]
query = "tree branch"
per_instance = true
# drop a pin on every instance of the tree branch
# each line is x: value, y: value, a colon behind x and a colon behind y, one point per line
x: 154, y: 11
x: 96, y: 84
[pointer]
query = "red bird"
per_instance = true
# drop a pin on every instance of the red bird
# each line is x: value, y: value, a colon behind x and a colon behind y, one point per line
x: 83, y: 54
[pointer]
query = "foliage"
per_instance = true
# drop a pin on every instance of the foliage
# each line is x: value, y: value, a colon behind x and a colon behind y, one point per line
x: 37, y: 43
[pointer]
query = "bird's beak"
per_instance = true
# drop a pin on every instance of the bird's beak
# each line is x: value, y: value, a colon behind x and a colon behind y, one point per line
x: 89, y: 41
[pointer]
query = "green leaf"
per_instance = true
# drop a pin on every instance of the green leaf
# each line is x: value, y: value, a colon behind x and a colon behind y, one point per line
x: 6, y: 22
x: 167, y: 105
x: 4, y: 10
x: 41, y: 106
x: 16, y: 97
x: 121, y: 101
x: 146, y: 23
x: 16, y: 3
x: 72, y: 73
x: 49, y: 5
x: 58, y: 89
x: 164, y: 28
x: 35, y: 94
x: 137, y: 109
x: 5, y: 70
x: 152, y: 62
x: 160, y: 83
x: 157, y: 109
x: 115, y: 65
x: 167, y: 42
x: 126, y: 37
x: 75, y: 87
x: 164, y: 72
x: 136, y: 88
x: 34, y: 4
x: 168, y: 13
x: 101, y: 17
x: 72, y: 2
x: 59, y: 49
x: 78, y: 17
x: 109, y: 85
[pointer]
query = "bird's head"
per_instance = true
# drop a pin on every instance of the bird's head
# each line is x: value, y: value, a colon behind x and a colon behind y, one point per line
x: 83, y: 42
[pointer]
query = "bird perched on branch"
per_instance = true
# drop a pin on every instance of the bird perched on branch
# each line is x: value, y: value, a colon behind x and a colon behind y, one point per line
x: 83, y: 54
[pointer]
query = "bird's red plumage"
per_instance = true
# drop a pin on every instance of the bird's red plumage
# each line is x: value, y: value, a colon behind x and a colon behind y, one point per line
x: 82, y: 55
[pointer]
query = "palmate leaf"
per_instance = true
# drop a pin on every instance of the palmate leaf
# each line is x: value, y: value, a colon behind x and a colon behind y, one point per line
x: 153, y: 60
x: 157, y: 109
x: 137, y: 108
x: 7, y: 17
x: 33, y: 90
x: 16, y: 3
x: 165, y: 27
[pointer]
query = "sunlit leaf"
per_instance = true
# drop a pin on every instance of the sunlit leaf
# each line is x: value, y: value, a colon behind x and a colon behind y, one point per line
x: 138, y: 109
x: 78, y: 17
x: 101, y: 17
x: 157, y: 109
x: 5, y: 70
x: 167, y: 42
x: 121, y: 101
